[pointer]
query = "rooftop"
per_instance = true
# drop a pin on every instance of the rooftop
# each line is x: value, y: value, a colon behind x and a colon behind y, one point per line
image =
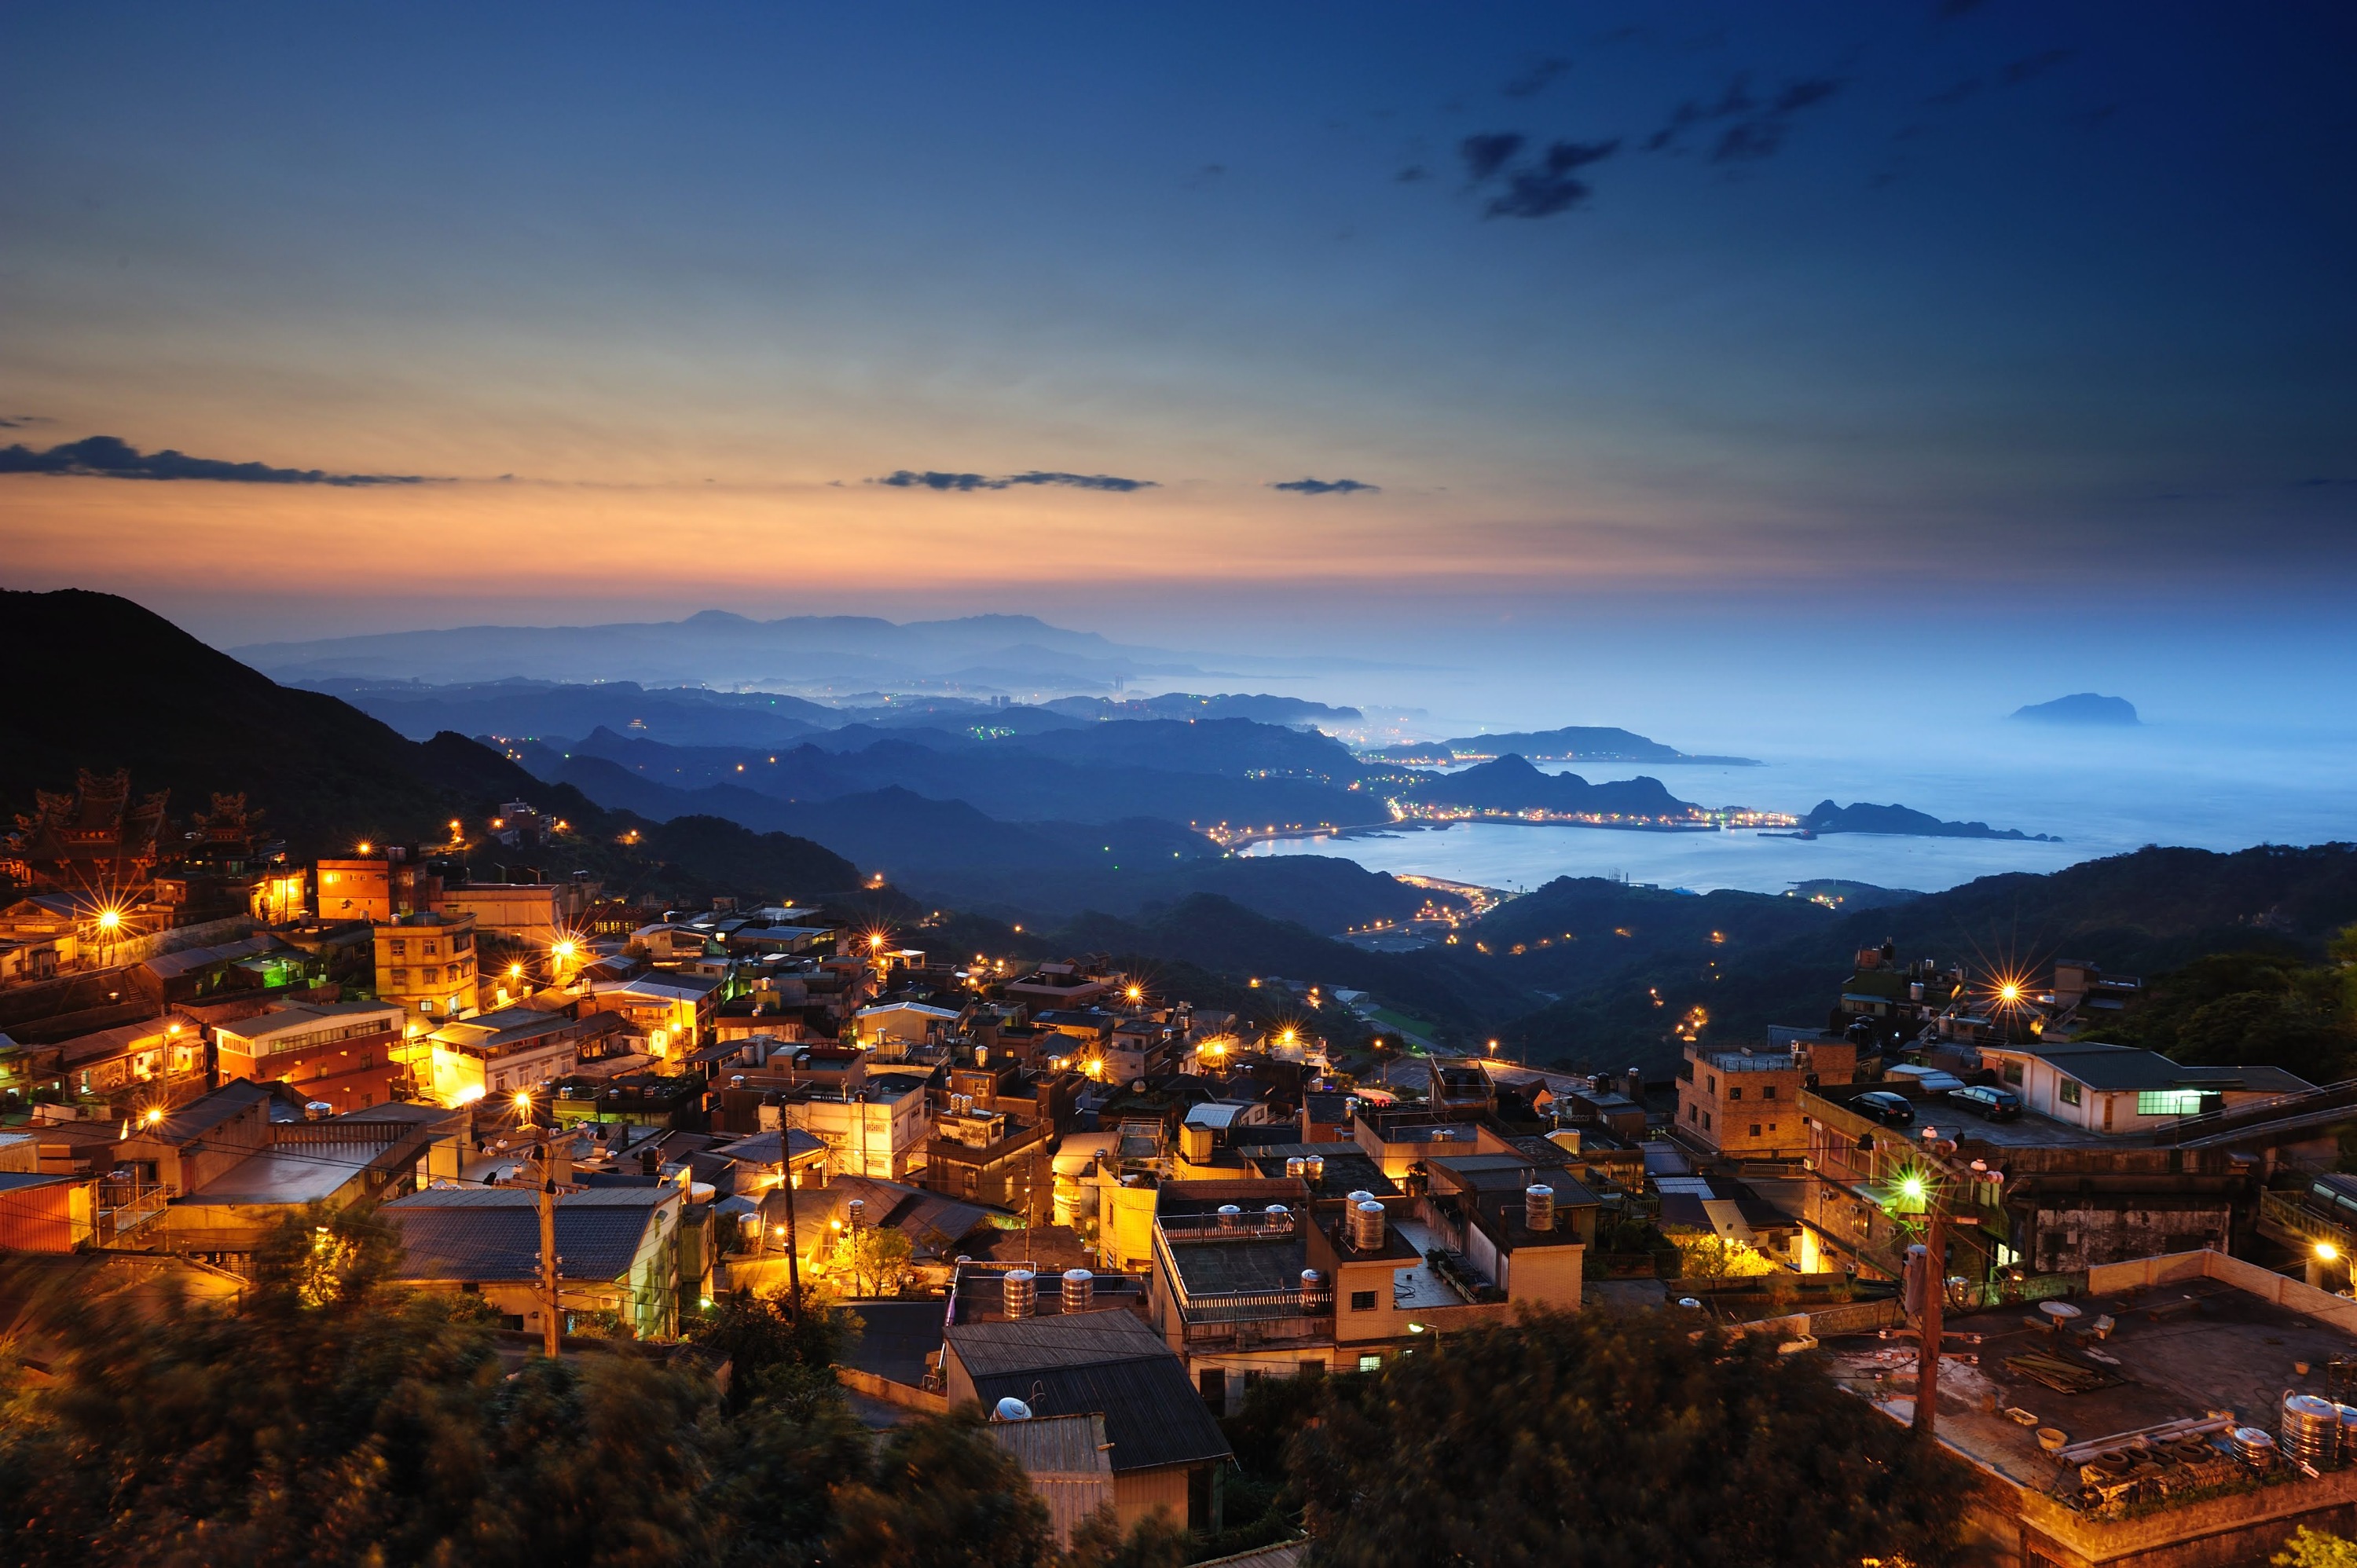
x: 2185, y: 1346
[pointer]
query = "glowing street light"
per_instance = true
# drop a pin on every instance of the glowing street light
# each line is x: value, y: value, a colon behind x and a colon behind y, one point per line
x: 110, y: 919
x: 1912, y: 1188
x: 2326, y: 1251
x: 523, y: 1103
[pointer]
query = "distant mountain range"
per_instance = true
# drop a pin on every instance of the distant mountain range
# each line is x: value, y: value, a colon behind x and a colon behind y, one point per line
x: 1862, y: 817
x: 1575, y: 743
x: 2087, y: 708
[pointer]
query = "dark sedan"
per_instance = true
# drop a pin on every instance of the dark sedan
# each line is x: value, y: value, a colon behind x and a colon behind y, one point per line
x: 1981, y: 1099
x: 1890, y: 1109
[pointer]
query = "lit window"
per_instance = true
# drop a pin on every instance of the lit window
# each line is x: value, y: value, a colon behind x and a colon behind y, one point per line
x: 2070, y: 1092
x: 2168, y: 1101
x: 1371, y: 1363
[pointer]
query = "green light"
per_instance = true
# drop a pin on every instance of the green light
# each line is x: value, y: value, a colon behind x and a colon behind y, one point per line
x: 1912, y: 1187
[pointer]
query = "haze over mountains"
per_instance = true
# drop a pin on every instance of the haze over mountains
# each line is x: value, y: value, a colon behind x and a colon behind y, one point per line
x: 1573, y: 970
x: 838, y: 653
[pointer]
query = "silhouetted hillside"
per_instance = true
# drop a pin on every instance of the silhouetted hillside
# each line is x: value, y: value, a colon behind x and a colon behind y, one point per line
x: 2153, y: 910
x: 109, y: 684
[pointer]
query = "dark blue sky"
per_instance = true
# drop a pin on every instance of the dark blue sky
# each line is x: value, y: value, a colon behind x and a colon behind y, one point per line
x: 1663, y: 303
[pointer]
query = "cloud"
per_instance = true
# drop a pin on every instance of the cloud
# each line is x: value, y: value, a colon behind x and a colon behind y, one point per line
x: 934, y: 480
x: 110, y: 458
x: 1487, y: 152
x: 1737, y: 99
x: 1533, y: 81
x: 1325, y: 487
x: 1549, y: 189
x: 19, y: 420
x: 1761, y: 135
x: 1411, y: 174
x: 2029, y: 68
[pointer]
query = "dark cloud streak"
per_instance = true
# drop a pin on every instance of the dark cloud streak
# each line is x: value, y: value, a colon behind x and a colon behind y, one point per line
x: 1325, y: 487
x: 1487, y: 152
x: 935, y: 479
x: 111, y: 457
x: 1550, y: 189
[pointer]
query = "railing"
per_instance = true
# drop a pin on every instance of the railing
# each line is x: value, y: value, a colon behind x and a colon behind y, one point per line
x: 1294, y: 1328
x: 2285, y: 1211
x: 1251, y: 1225
x: 1248, y: 1307
x: 2259, y: 1112
x: 124, y: 1207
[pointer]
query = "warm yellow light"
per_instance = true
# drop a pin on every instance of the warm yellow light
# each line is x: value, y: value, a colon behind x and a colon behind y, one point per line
x: 454, y: 827
x: 154, y: 1115
x: 523, y: 1103
x: 515, y: 971
x: 835, y: 1224
x: 1493, y: 1048
x: 564, y: 949
x: 365, y: 846
x: 108, y: 919
x: 2008, y: 991
x: 2326, y: 1251
x: 1135, y: 994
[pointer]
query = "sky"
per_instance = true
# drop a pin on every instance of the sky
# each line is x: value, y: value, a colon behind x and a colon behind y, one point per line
x: 1828, y: 330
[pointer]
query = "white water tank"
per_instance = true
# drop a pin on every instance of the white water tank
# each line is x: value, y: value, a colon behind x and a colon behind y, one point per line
x: 1367, y: 1226
x: 1079, y: 1290
x: 1019, y: 1292
x: 1538, y: 1209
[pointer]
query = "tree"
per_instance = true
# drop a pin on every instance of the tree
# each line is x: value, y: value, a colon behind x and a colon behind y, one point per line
x: 329, y: 1419
x: 1598, y: 1441
x: 1715, y: 1257
x: 877, y: 1258
x: 2315, y: 1549
x: 1157, y: 1541
x: 944, y: 1496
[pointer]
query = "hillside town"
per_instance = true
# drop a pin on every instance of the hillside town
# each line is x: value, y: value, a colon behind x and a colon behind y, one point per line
x: 1051, y: 1189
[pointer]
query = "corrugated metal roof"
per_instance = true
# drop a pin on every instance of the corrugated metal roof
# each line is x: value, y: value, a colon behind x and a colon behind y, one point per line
x: 524, y: 1197
x: 1026, y: 1343
x: 1056, y: 1444
x: 468, y: 1244
x: 1153, y: 1414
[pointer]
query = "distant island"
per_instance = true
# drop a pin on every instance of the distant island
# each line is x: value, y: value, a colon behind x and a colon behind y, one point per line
x: 1512, y: 784
x: 1575, y: 743
x: 2082, y: 708
x: 1860, y: 817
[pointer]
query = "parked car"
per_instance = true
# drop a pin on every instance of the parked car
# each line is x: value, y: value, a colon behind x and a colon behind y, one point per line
x: 1890, y: 1109
x: 1997, y: 1104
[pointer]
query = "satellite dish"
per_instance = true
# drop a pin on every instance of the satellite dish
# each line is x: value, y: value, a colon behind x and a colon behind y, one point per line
x: 1011, y: 1409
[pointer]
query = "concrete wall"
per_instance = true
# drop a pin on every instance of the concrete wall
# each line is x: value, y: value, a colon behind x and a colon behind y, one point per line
x: 2086, y: 1235
x: 2294, y: 1296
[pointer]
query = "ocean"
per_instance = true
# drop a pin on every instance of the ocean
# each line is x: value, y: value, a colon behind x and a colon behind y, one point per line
x: 2102, y: 793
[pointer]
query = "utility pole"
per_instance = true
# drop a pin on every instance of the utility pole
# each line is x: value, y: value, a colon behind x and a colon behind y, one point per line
x: 794, y: 1233
x: 1927, y: 1282
x: 552, y: 1325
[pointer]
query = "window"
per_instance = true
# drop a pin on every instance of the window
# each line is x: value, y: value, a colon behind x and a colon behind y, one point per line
x: 2070, y: 1090
x: 430, y: 949
x: 1710, y: 1081
x: 2013, y: 1073
x: 400, y: 948
x: 1769, y: 1093
x: 1735, y: 1092
x: 1706, y: 1121
x: 1755, y: 1129
x: 1362, y: 1301
x: 1693, y: 1114
x: 1371, y: 1363
x: 2168, y: 1101
x: 401, y: 977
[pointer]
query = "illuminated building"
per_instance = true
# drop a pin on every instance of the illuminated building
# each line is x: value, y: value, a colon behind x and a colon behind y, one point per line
x: 427, y: 963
